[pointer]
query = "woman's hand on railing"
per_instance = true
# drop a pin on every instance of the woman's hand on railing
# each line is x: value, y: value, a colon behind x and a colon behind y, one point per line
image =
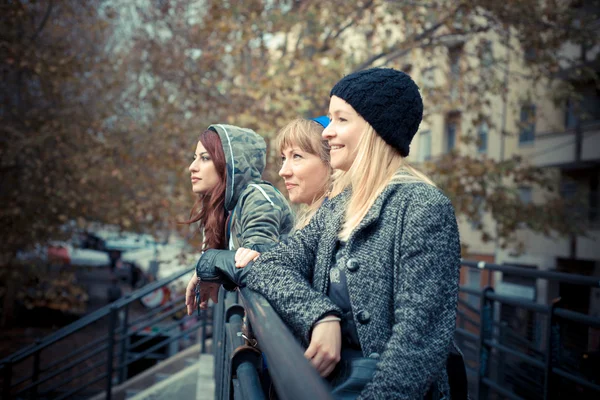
x: 243, y: 256
x: 325, y: 345
x: 207, y: 291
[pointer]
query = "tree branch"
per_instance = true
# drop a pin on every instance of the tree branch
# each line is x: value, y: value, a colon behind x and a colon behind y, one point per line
x: 44, y: 20
x: 401, y: 52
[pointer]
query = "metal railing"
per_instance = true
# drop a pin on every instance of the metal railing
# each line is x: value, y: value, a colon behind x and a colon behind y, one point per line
x: 503, y: 360
x: 519, y: 348
x: 80, y: 360
x: 514, y: 348
x: 239, y: 368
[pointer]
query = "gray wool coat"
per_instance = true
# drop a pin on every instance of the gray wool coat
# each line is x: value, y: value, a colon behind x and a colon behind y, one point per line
x: 402, y: 267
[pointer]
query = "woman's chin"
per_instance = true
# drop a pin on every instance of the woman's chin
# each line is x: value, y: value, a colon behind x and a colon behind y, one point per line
x: 293, y: 198
x: 338, y: 164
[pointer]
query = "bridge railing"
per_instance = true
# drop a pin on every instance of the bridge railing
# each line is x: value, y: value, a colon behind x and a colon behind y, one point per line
x: 78, y: 361
x: 514, y: 348
x: 519, y: 348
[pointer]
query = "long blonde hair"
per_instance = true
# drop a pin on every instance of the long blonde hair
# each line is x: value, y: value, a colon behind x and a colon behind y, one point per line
x: 306, y: 134
x: 377, y: 164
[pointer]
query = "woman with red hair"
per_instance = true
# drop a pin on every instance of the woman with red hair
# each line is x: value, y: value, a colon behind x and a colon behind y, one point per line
x: 235, y: 208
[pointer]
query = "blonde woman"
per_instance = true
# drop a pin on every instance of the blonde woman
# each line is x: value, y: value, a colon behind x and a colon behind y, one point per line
x: 375, y: 272
x: 305, y: 170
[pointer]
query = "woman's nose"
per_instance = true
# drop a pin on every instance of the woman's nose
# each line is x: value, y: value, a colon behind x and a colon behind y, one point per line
x: 193, y: 166
x: 328, y: 132
x: 285, y: 170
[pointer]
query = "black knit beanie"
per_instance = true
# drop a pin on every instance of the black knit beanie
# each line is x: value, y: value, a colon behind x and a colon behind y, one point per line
x: 389, y: 100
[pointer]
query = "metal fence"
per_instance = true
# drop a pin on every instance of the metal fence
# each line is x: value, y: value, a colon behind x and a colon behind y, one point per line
x: 526, y: 349
x: 101, y: 350
x: 514, y: 348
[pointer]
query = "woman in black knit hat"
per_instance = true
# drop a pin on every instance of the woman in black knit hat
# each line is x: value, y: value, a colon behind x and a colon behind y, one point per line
x: 372, y: 280
x: 375, y: 274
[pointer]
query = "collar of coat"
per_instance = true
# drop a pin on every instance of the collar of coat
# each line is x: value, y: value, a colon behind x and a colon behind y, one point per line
x: 373, y: 213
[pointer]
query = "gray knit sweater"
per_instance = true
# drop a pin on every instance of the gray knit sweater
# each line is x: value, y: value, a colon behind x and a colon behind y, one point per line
x: 402, y: 269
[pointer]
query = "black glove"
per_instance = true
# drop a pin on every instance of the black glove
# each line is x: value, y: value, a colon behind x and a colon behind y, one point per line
x: 218, y: 266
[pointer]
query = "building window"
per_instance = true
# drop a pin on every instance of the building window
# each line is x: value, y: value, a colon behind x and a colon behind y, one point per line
x: 527, y: 123
x: 525, y: 195
x: 593, y: 210
x: 455, y: 72
x: 473, y: 282
x: 479, y: 208
x: 424, y: 146
x: 570, y: 116
x: 573, y: 194
x: 428, y: 78
x: 530, y: 53
x: 431, y: 18
x: 482, y: 137
x: 459, y: 20
x: 450, y: 136
x: 487, y: 54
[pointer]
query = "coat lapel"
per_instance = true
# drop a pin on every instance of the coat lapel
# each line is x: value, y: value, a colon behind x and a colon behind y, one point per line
x: 372, y: 215
x: 375, y: 210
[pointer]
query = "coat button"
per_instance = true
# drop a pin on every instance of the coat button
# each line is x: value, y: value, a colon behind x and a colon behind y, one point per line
x: 352, y: 265
x: 374, y: 355
x: 363, y: 317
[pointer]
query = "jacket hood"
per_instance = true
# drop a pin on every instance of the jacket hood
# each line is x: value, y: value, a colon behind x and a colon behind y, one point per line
x: 245, y: 154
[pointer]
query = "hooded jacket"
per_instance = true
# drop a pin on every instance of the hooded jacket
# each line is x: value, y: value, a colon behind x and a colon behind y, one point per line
x: 259, y: 214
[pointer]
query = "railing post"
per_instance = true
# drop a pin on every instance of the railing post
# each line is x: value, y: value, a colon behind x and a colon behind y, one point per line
x: 124, y: 347
x: 112, y: 325
x: 233, y: 321
x: 501, y: 355
x: 552, y: 350
x: 204, y: 318
x: 36, y: 371
x: 7, y: 372
x: 485, y: 351
x: 219, y: 341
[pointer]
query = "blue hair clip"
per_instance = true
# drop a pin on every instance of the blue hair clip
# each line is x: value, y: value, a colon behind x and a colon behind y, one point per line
x: 323, y: 120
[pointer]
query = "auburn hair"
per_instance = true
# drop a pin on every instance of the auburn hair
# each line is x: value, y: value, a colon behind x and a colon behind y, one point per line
x: 209, y: 208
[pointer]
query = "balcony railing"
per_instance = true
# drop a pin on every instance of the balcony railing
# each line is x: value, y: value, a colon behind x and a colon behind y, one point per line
x: 557, y: 149
x: 517, y: 348
x: 78, y: 361
x: 504, y: 359
x: 513, y: 347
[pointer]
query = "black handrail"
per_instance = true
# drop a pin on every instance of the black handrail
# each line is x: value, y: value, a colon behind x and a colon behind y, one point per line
x: 293, y: 376
x: 239, y: 371
x: 547, y: 363
x: 91, y: 318
x: 535, y: 273
x: 106, y: 357
x: 238, y: 368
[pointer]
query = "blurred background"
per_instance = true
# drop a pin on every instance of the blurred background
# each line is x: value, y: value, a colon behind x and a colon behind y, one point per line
x: 102, y: 103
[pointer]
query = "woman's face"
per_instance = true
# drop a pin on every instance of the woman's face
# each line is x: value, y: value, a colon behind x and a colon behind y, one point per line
x: 203, y: 172
x: 343, y: 133
x: 305, y: 175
